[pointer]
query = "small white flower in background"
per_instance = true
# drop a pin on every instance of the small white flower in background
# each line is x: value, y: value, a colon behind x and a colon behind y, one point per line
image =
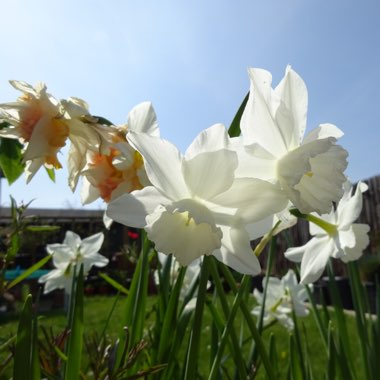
x: 309, y: 169
x: 336, y: 236
x: 192, y: 272
x: 282, y: 297
x: 195, y: 205
x: 69, y: 255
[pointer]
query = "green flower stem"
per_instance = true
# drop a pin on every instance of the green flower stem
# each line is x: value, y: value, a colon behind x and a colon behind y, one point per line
x: 272, y: 249
x: 248, y: 317
x: 236, y: 351
x: 195, y: 335
x: 330, y: 228
x: 265, y: 240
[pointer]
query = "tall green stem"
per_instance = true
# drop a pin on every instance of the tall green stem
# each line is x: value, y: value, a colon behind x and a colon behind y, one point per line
x: 195, y: 335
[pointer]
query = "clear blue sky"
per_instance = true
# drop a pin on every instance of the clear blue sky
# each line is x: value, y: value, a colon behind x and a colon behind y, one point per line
x: 190, y: 58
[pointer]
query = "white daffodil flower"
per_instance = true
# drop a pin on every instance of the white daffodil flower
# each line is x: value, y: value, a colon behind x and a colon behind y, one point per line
x: 120, y: 170
x: 69, y: 255
x: 282, y: 297
x: 334, y: 235
x: 310, y: 170
x: 195, y: 205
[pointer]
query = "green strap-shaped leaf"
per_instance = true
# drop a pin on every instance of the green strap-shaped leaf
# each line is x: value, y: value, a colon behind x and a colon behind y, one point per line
x: 135, y: 307
x: 44, y: 228
x: 170, y: 317
x: 29, y: 271
x: 22, y: 368
x: 114, y: 283
x: 11, y: 159
x: 234, y: 129
x: 75, y: 341
x: 295, y: 360
x: 190, y: 366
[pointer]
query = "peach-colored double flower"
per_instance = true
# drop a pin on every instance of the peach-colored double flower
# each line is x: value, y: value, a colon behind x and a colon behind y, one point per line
x: 36, y: 119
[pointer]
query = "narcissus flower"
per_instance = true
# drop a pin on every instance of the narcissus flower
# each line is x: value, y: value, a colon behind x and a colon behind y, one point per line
x: 88, y: 136
x: 69, y: 255
x: 195, y: 205
x: 310, y: 170
x: 43, y: 125
x: 37, y: 121
x: 334, y: 235
x: 120, y: 170
x: 282, y: 297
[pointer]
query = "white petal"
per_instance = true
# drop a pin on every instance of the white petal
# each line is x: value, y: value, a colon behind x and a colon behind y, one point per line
x: 292, y: 112
x: 296, y: 253
x: 236, y: 251
x: 347, y: 238
x: 26, y: 87
x: 89, y: 193
x: 132, y: 209
x: 211, y: 173
x: 92, y: 244
x: 62, y: 254
x: 94, y: 259
x: 323, y: 131
x: 73, y: 240
x: 315, y: 259
x: 76, y: 162
x: 260, y: 228
x: 290, y: 280
x: 256, y: 162
x: 349, y: 208
x: 107, y: 221
x: 361, y: 240
x: 31, y: 168
x: 259, y: 112
x: 142, y: 118
x: 163, y: 164
x: 56, y: 279
x: 211, y: 139
x: 255, y: 199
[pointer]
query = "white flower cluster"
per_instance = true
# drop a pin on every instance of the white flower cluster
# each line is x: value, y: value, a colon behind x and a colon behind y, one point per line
x: 222, y: 192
